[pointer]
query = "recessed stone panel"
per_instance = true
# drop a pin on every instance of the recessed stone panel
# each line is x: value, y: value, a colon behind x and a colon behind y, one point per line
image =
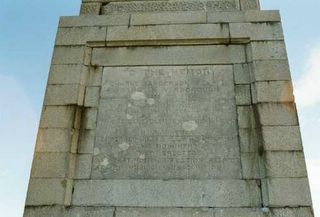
x: 167, y: 122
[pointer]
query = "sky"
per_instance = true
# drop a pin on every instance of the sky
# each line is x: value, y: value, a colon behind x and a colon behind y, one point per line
x: 27, y: 32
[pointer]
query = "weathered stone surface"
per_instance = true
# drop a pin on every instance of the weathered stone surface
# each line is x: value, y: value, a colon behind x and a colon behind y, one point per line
x: 293, y: 212
x: 274, y: 91
x: 86, y: 141
x: 239, y: 212
x: 168, y: 18
x: 282, y: 138
x: 168, y: 212
x: 169, y: 55
x: 241, y: 74
x: 62, y: 94
x: 45, y: 192
x: 246, y: 117
x: 49, y: 165
x: 272, y: 114
x: 94, y: 76
x: 256, y: 31
x: 89, y: 120
x: 243, y: 94
x: 59, y: 211
x: 285, y: 164
x: 65, y: 74
x: 167, y: 32
x: 83, y: 167
x: 173, y: 193
x: 92, y: 20
x: 68, y: 55
x: 167, y: 122
x: 271, y: 70
x: 164, y: 6
x: 57, y: 117
x: 90, y: 8
x: 243, y: 16
x: 267, y: 50
x: 249, y: 4
x: 80, y: 35
x: 53, y: 140
x: 249, y: 139
x: 292, y: 192
x: 92, y: 96
x: 250, y: 166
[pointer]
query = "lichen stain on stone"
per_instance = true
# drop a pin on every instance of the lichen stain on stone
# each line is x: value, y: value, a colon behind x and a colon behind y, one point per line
x: 142, y: 156
x: 138, y: 96
x: 190, y: 126
x: 129, y: 117
x: 105, y: 162
x: 150, y: 101
x: 124, y: 146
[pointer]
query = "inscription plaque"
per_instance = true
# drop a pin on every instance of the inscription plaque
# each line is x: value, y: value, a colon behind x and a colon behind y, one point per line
x: 168, y: 122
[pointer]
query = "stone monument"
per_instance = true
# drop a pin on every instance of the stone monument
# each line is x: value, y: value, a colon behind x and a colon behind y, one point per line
x: 169, y: 108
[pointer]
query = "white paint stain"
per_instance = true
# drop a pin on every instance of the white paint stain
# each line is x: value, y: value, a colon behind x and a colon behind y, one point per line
x: 142, y: 156
x: 105, y: 162
x: 138, y: 96
x: 96, y: 151
x: 129, y: 117
x: 189, y: 126
x: 150, y: 101
x: 124, y: 146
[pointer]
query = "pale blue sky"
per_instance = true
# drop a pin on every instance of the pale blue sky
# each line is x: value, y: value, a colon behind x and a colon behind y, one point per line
x: 27, y: 32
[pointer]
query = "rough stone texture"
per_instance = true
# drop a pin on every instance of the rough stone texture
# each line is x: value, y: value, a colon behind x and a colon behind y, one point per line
x: 164, y: 6
x: 59, y: 211
x: 246, y: 117
x: 68, y: 55
x: 243, y: 95
x: 250, y: 166
x: 86, y: 141
x: 274, y: 91
x: 92, y: 96
x: 285, y: 164
x: 174, y: 193
x: 292, y: 192
x: 271, y: 70
x: 53, y: 140
x: 80, y: 35
x: 241, y: 74
x: 267, y: 50
x: 272, y: 114
x: 49, y: 165
x: 83, y: 167
x: 249, y: 139
x: 168, y: 18
x: 65, y: 74
x: 89, y: 120
x: 171, y: 55
x: 90, y: 8
x: 62, y: 94
x: 57, y: 117
x: 106, y: 20
x: 282, y: 138
x: 45, y: 192
x: 293, y: 212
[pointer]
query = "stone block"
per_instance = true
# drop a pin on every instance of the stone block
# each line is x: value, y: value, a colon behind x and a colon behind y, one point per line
x: 285, y: 164
x: 83, y: 166
x: 250, y: 163
x: 65, y: 74
x: 249, y: 4
x: 166, y: 6
x: 68, y: 55
x: 173, y: 193
x: 62, y: 94
x: 246, y: 118
x: 53, y: 140
x: 249, y: 140
x: 45, y: 192
x: 246, y: 16
x: 57, y: 117
x: 256, y: 31
x: 239, y: 212
x: 89, y: 120
x: 293, y: 212
x: 49, y: 165
x: 94, y: 76
x: 86, y: 141
x: 168, y: 18
x: 168, y: 212
x: 241, y: 74
x: 266, y: 50
x: 282, y: 138
x: 289, y: 192
x: 95, y: 20
x: 92, y: 96
x: 274, y: 91
x: 271, y: 70
x: 80, y: 35
x: 243, y: 94
x: 117, y: 34
x: 272, y: 114
x: 90, y: 8
x: 60, y: 211
x: 169, y: 55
